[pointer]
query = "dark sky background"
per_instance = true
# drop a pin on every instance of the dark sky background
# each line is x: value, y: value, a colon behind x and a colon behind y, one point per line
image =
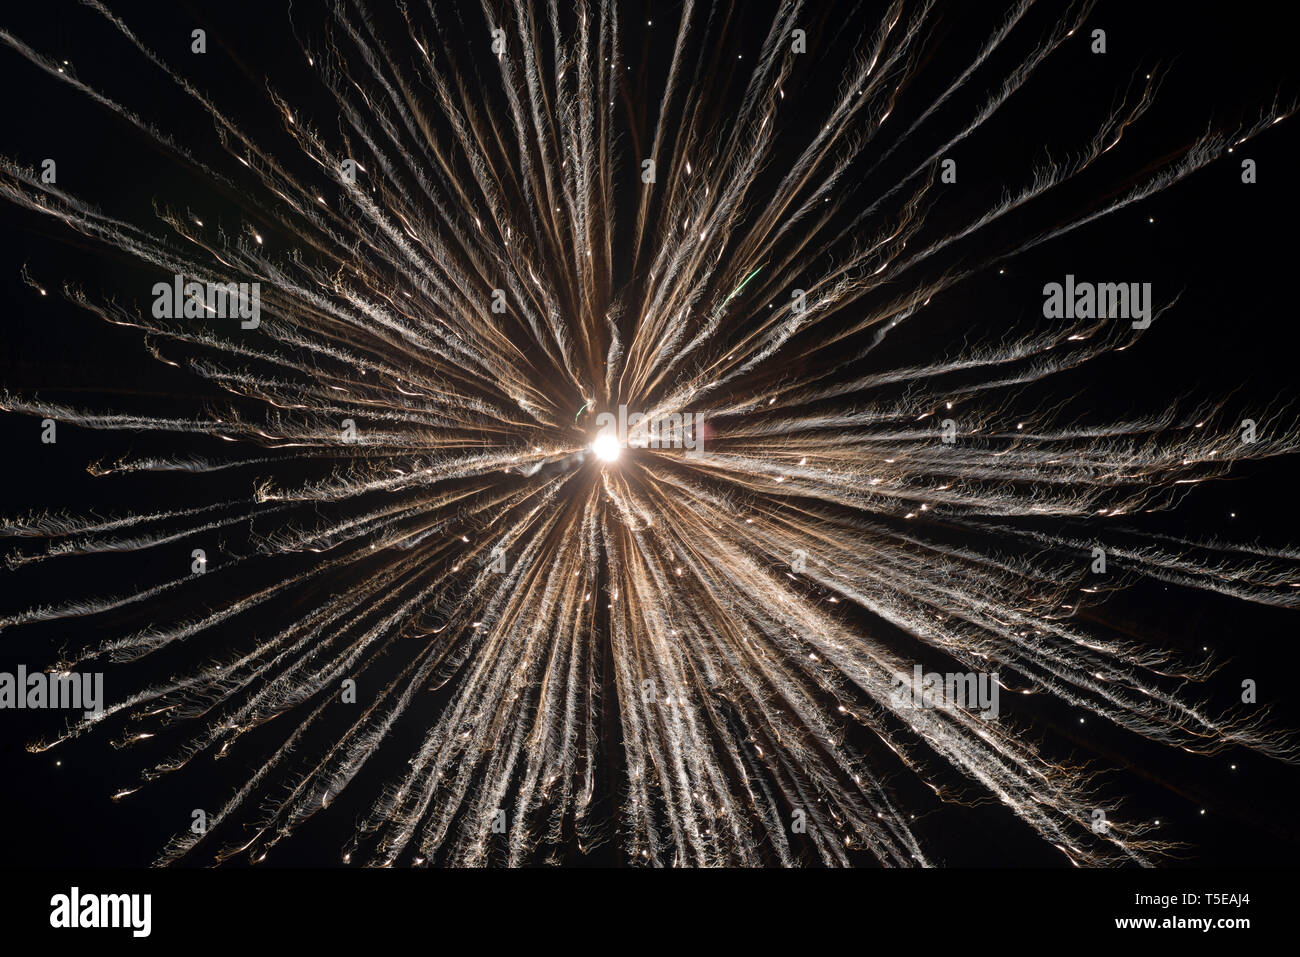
x: 1226, y: 246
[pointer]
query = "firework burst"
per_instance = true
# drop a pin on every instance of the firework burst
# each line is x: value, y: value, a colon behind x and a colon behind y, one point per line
x: 445, y: 552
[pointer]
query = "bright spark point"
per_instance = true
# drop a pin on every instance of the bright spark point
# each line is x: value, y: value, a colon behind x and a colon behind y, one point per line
x: 606, y: 448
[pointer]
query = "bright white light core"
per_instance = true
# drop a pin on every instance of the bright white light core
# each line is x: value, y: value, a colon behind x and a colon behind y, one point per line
x: 605, y: 447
